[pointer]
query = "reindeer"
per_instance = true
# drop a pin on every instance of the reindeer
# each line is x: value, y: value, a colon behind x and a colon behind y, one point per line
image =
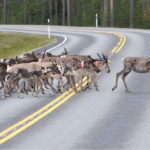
x: 27, y: 57
x: 24, y: 69
x: 47, y: 55
x: 90, y: 69
x: 53, y: 73
x: 72, y: 60
x: 136, y: 64
x: 23, y: 75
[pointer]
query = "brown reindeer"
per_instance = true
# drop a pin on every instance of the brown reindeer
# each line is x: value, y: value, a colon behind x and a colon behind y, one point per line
x: 46, y: 55
x: 90, y: 69
x: 136, y: 64
x: 27, y: 57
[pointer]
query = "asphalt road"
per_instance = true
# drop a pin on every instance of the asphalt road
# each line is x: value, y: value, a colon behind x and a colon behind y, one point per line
x: 89, y: 120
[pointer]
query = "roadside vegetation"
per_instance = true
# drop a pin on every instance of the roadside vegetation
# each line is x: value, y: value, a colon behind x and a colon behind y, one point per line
x: 13, y: 44
x: 111, y: 13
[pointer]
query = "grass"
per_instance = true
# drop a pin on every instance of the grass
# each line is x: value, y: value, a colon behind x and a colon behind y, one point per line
x: 13, y: 44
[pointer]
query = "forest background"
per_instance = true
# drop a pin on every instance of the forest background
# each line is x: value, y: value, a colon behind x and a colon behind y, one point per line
x: 111, y: 13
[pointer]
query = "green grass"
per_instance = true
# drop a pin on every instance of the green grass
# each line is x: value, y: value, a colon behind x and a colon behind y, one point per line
x: 14, y: 44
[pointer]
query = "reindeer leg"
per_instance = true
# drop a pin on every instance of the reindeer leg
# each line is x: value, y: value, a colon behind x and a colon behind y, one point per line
x: 19, y: 92
x: 79, y: 81
x: 2, y: 84
x: 4, y: 90
x: 39, y: 84
x: 95, y: 82
x: 45, y: 81
x: 51, y: 85
x: 35, y: 86
x: 7, y: 86
x: 28, y: 89
x: 61, y: 83
x: 16, y: 83
x: 10, y: 83
x: 3, y: 93
x: 58, y: 85
x: 123, y: 78
x: 117, y: 76
x: 68, y: 82
x: 2, y: 80
x: 73, y: 81
x: 88, y: 84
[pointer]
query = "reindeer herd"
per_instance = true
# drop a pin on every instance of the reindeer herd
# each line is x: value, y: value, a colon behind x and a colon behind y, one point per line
x: 35, y: 72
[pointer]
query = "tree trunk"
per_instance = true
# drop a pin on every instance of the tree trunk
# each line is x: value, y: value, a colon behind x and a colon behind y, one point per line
x: 24, y: 11
x: 105, y: 12
x: 68, y: 13
x: 143, y: 6
x: 30, y: 16
x: 63, y: 12
x: 131, y: 13
x: 56, y: 18
x: 50, y: 10
x: 42, y: 10
x: 111, y: 13
x: 5, y: 11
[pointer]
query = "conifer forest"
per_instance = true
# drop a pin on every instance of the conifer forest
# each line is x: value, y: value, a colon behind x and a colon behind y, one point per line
x: 111, y: 13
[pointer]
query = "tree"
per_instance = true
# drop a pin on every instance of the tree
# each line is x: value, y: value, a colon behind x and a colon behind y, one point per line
x: 131, y: 13
x: 111, y: 13
x: 143, y: 6
x: 68, y: 13
x: 5, y: 11
x: 63, y: 12
x: 24, y: 11
x: 50, y: 10
x: 42, y: 11
x: 30, y: 15
x: 119, y: 13
x: 105, y: 12
x: 56, y: 17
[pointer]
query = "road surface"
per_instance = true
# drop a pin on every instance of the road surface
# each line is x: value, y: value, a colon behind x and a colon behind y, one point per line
x: 92, y: 119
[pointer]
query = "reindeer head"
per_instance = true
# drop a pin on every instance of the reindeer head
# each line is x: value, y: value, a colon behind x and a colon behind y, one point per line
x: 46, y: 70
x: 64, y: 69
x: 103, y: 63
x: 12, y: 61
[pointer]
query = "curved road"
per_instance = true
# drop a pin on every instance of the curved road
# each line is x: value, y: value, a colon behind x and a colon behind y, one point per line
x: 91, y: 119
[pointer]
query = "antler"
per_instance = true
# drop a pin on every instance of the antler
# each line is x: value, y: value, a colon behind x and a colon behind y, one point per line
x: 44, y: 54
x: 99, y: 56
x: 77, y: 59
x: 16, y: 57
x: 106, y: 58
x: 65, y: 51
x: 103, y: 56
